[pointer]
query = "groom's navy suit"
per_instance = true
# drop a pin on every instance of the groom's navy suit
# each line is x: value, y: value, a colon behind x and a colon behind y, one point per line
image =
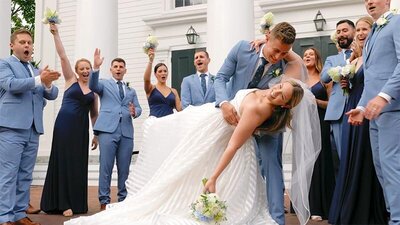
x: 234, y: 75
x: 381, y: 57
x: 115, y: 129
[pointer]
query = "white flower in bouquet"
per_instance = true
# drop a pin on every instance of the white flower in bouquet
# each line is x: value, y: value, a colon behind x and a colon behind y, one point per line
x: 151, y: 43
x: 266, y: 22
x: 335, y: 73
x: 51, y: 16
x: 348, y: 71
x: 209, y: 208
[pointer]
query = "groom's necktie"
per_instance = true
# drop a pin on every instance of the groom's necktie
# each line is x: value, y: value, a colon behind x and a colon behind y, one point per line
x: 27, y: 67
x: 348, y: 53
x: 203, y: 82
x: 258, y: 74
x: 121, y: 90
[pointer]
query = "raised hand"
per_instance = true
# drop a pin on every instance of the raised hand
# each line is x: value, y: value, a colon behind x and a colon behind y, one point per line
x: 356, y: 117
x: 256, y: 44
x: 229, y: 113
x: 132, y: 110
x: 48, y: 76
x: 151, y: 54
x: 53, y: 28
x: 98, y: 60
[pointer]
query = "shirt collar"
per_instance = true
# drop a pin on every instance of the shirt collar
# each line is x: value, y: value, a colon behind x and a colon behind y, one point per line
x: 115, y: 80
x: 17, y: 58
x: 261, y: 55
x: 206, y: 73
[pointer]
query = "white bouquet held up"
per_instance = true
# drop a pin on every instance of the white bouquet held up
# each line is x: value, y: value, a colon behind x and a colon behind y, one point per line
x: 51, y: 16
x: 209, y: 208
x: 338, y: 73
x: 266, y: 22
x: 151, y: 42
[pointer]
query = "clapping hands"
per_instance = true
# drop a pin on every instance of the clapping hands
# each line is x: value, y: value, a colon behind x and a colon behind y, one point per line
x: 47, y: 76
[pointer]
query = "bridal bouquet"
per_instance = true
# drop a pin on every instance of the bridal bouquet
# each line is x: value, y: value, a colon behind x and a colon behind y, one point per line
x: 209, y: 208
x: 151, y: 42
x: 337, y: 73
x: 51, y: 16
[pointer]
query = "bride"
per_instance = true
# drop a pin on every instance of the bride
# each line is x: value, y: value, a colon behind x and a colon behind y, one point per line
x: 181, y: 149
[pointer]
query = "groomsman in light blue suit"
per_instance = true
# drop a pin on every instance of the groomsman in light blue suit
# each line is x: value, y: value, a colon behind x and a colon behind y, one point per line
x: 118, y: 105
x: 345, y: 31
x: 198, y: 89
x: 245, y: 68
x: 23, y: 94
x: 380, y: 101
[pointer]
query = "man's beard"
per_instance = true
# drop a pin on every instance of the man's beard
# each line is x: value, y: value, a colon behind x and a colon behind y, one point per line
x: 347, y: 44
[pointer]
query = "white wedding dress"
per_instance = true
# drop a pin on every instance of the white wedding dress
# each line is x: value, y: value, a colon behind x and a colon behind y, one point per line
x: 178, y: 152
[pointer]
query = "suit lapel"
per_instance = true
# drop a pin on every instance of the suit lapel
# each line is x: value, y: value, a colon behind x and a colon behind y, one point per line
x: 372, y: 37
x: 114, y: 88
x: 210, y: 84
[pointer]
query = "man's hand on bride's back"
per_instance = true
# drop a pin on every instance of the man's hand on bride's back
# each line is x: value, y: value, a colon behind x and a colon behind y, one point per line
x: 209, y: 187
x: 229, y: 113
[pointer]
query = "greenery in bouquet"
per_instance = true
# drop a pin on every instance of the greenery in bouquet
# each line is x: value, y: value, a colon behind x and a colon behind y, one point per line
x: 342, y: 72
x: 51, y: 16
x: 266, y: 22
x: 209, y: 208
x: 151, y: 43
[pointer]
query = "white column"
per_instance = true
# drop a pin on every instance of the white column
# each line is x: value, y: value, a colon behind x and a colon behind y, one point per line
x: 228, y: 21
x: 5, y: 30
x: 45, y: 52
x: 97, y: 27
x: 395, y: 4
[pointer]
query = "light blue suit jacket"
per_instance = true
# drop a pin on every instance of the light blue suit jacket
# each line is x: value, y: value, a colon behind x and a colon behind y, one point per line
x: 21, y: 102
x: 382, y: 64
x: 113, y: 110
x: 192, y: 92
x: 237, y: 70
x: 337, y: 100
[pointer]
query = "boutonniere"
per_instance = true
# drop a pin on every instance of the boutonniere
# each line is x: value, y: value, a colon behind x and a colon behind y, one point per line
x: 276, y: 72
x: 381, y: 22
x: 212, y: 78
x: 128, y: 85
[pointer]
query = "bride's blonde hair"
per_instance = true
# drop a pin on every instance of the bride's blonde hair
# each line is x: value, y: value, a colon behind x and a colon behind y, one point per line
x: 282, y: 115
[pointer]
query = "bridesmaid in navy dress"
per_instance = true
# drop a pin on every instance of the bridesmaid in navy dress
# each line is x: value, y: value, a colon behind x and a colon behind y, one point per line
x: 358, y: 196
x: 65, y: 187
x: 162, y: 99
x: 323, y: 179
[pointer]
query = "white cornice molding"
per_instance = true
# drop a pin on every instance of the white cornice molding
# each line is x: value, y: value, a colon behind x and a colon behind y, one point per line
x: 177, y: 16
x: 291, y: 5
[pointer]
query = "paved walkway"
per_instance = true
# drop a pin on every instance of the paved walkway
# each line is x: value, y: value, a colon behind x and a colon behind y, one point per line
x: 44, y: 219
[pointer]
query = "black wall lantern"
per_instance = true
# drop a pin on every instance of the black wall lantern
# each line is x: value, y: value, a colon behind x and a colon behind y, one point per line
x: 319, y: 21
x: 192, y: 36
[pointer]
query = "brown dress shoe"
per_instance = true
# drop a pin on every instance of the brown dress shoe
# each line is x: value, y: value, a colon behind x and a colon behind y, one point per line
x: 103, y: 207
x: 26, y: 221
x: 31, y: 210
x: 7, y: 223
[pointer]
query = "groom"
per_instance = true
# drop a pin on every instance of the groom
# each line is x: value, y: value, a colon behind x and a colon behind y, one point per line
x: 245, y: 68
x: 380, y: 100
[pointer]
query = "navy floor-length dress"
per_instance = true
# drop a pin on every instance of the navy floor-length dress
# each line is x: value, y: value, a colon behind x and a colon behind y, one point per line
x: 323, y: 179
x: 358, y: 196
x: 67, y: 174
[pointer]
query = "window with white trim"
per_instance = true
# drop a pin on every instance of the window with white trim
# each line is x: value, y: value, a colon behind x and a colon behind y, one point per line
x: 183, y: 3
